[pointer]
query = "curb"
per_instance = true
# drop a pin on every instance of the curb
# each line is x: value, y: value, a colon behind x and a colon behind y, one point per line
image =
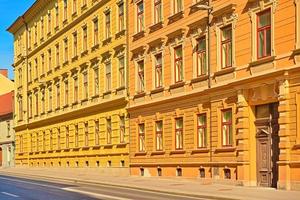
x: 49, y: 178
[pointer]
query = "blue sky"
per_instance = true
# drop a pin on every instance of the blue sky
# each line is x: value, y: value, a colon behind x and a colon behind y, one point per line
x: 10, y: 10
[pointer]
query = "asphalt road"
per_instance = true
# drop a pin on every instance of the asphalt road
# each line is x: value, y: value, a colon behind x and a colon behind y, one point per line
x: 13, y: 188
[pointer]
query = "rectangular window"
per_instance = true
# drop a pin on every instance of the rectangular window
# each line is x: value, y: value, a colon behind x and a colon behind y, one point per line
x: 56, y: 15
x: 43, y: 100
x: 96, y: 133
x: 96, y: 32
x: 49, y: 59
x: 108, y: 76
x: 159, y: 135
x: 43, y: 63
x: 96, y: 77
x: 141, y: 77
x: 66, y: 92
x: 35, y: 34
x: 75, y: 89
x: 20, y: 76
x: 74, y: 6
x: 201, y: 131
x: 177, y: 5
x: 37, y: 142
x: 57, y: 55
x: 66, y: 53
x: 227, y: 139
x: 109, y: 131
x: 178, y: 61
x: 49, y: 21
x: 121, y: 17
x: 122, y: 129
x: 201, y: 57
x: 226, y: 47
x: 36, y: 68
x: 158, y: 71
x: 57, y: 96
x: 179, y: 133
x: 141, y: 137
x: 42, y: 28
x: 76, y: 141
x: 29, y: 73
x: 44, y: 141
x: 107, y: 25
x: 157, y: 11
x: 36, y: 103
x: 50, y: 99
x: 121, y: 72
x: 84, y: 43
x: 75, y: 44
x: 58, y: 138
x: 86, y: 134
x: 51, y: 140
x: 20, y: 108
x: 264, y: 34
x: 85, y: 85
x: 140, y: 16
x: 67, y: 137
x: 30, y: 105
x: 65, y: 9
x: 83, y: 3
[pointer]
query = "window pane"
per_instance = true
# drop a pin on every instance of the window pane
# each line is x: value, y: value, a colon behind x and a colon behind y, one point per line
x: 260, y: 44
x: 179, y: 123
x: 159, y: 126
x: 227, y: 116
x: 268, y: 42
x: 264, y: 19
x: 201, y: 120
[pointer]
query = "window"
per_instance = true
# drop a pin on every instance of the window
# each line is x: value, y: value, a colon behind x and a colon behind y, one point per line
x: 30, y: 105
x: 67, y: 137
x: 159, y: 171
x: 264, y: 34
x: 179, y: 133
x: 66, y: 92
x: 109, y: 131
x: 158, y: 70
x: 86, y: 134
x: 177, y: 5
x: 121, y: 17
x: 76, y: 142
x: 227, y: 139
x: 157, y: 11
x: 43, y: 100
x: 29, y: 73
x: 57, y: 55
x: 49, y: 59
x: 83, y: 3
x: 142, y: 171
x: 42, y: 28
x: 107, y: 25
x: 178, y: 61
x: 108, y: 76
x: 85, y: 85
x: 226, y: 47
x: 179, y: 171
x: 141, y: 137
x: 20, y: 103
x: 65, y: 9
x: 96, y: 133
x: 96, y: 32
x: 50, y: 98
x: 84, y: 43
x: 121, y: 72
x: 20, y: 76
x: 74, y: 6
x: 140, y: 16
x: 96, y: 78
x: 66, y: 53
x: 37, y: 142
x: 49, y: 21
x: 141, y: 77
x: 36, y: 103
x: 122, y: 129
x: 201, y: 57
x: 58, y: 138
x: 43, y: 63
x: 35, y: 34
x: 51, y: 140
x: 44, y: 141
x: 36, y: 68
x: 75, y: 44
x: 75, y: 79
x: 227, y: 174
x: 57, y: 96
x: 159, y: 135
x: 202, y: 172
x: 201, y: 130
x: 56, y: 15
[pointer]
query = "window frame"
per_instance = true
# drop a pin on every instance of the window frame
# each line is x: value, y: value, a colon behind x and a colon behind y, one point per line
x: 158, y: 67
x: 121, y: 12
x: 109, y: 131
x: 180, y: 130
x: 263, y: 29
x: 178, y: 77
x: 203, y: 54
x: 141, y: 77
x: 226, y: 42
x: 230, y: 124
x: 141, y: 137
x: 157, y: 11
x: 159, y: 136
x: 204, y: 128
x: 108, y: 76
x: 140, y: 17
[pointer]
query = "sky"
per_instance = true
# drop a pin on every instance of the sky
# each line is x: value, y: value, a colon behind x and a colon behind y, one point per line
x: 9, y: 12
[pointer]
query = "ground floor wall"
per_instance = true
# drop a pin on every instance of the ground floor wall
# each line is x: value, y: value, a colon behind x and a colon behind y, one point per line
x: 216, y: 160
x: 88, y: 140
x: 8, y: 155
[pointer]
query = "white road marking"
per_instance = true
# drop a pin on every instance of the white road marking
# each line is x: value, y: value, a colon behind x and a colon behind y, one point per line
x: 32, y: 183
x: 10, y: 194
x: 95, y: 194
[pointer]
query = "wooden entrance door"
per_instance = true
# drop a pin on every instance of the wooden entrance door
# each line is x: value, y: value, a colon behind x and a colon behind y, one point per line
x: 267, y: 142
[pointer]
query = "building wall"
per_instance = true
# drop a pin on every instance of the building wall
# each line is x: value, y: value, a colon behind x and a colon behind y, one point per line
x: 46, y: 106
x: 7, y: 138
x: 250, y: 81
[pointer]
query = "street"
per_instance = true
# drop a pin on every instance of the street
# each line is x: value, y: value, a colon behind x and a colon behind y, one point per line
x: 12, y: 188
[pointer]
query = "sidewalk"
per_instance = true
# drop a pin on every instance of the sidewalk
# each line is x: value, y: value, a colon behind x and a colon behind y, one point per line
x: 177, y: 186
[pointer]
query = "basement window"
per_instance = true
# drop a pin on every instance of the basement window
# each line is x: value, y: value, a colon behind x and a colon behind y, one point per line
x: 179, y: 171
x: 122, y: 163
x: 97, y: 164
x: 109, y: 163
x: 202, y: 172
x: 142, y: 171
x: 159, y: 171
x: 227, y: 174
x: 86, y: 163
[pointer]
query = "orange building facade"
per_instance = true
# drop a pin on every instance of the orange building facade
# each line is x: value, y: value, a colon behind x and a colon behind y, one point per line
x: 218, y: 102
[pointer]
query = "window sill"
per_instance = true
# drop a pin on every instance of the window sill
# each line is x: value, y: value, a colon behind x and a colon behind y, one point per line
x: 85, y: 148
x: 75, y: 58
x: 177, y: 152
x: 42, y: 39
x: 175, y: 17
x: 42, y: 76
x: 76, y: 148
x: 157, y: 153
x: 96, y: 147
x: 157, y: 90
x: 106, y: 41
x: 224, y: 71
x: 75, y: 103
x: 49, y: 34
x: 199, y: 78
x: 296, y: 146
x: 58, y: 150
x: 121, y: 145
x: 66, y: 105
x: 262, y: 61
x: 139, y: 95
x: 96, y: 46
x: 140, y: 153
x: 65, y: 63
x: 156, y: 26
x: 65, y: 22
x: 120, y: 88
x: 138, y: 35
x: 177, y: 85
x: 200, y: 150
x: 57, y: 68
x: 120, y: 33
x: 36, y: 80
x: 84, y: 53
x: 66, y: 149
x: 108, y: 146
x: 84, y: 100
x: 49, y: 72
x: 84, y: 7
x: 95, y: 96
x: 107, y: 93
x: 225, y: 149
x: 56, y: 28
x: 74, y: 14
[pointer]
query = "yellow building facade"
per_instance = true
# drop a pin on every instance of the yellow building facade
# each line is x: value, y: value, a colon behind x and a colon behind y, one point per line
x: 70, y: 72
